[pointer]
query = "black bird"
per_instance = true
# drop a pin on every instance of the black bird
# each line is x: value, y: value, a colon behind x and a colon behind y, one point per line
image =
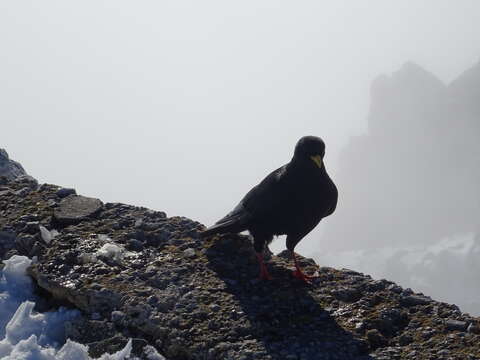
x: 289, y: 201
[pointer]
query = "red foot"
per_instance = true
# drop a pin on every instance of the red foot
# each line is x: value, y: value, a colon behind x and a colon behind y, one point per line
x: 303, y: 277
x: 264, y: 275
x: 298, y: 273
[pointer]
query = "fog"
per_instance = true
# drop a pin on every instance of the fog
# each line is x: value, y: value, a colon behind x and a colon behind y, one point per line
x: 183, y: 106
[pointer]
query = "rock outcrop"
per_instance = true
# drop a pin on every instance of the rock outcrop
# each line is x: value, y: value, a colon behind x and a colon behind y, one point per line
x: 136, y: 273
x: 413, y: 177
x: 9, y: 168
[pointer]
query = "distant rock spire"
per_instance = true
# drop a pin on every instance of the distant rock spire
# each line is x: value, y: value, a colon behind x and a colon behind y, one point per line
x: 399, y: 101
x: 413, y: 176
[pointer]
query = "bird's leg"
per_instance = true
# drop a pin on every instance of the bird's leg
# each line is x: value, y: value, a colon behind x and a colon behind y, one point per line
x: 264, y: 275
x: 298, y: 271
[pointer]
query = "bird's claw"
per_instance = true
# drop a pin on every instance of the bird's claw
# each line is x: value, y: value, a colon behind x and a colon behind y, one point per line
x: 303, y: 277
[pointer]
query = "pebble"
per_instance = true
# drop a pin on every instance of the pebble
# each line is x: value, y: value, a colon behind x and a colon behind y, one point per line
x: 117, y: 316
x: 135, y: 245
x: 189, y: 253
x: 214, y: 307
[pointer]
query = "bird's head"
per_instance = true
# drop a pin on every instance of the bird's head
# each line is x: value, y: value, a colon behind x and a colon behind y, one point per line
x: 310, y: 148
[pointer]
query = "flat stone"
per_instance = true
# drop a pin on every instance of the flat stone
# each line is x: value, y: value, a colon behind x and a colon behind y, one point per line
x: 456, y: 325
x: 413, y: 300
x: 75, y: 208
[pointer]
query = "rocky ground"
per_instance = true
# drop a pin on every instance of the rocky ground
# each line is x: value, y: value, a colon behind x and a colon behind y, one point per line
x: 136, y: 273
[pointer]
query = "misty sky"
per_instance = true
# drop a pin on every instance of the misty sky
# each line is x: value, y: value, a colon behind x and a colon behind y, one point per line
x: 183, y: 106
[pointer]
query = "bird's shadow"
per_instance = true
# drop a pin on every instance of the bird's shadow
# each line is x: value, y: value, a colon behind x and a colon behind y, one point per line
x: 283, y: 314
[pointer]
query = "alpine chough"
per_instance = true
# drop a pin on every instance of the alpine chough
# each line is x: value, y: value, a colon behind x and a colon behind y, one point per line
x: 289, y: 201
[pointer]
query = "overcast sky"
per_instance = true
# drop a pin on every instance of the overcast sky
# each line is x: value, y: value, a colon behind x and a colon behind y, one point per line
x: 183, y: 106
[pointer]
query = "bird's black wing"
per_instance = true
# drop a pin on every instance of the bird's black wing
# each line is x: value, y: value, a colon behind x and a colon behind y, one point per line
x: 260, y: 200
x: 266, y: 196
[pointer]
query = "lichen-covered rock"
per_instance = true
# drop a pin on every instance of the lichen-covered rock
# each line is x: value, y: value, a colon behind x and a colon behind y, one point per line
x: 74, y: 209
x: 136, y: 273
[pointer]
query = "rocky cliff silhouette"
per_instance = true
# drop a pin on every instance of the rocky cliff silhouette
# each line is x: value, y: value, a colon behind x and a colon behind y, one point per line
x: 414, y: 176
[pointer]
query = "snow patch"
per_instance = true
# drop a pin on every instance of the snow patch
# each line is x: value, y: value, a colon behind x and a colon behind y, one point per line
x: 47, y: 235
x: 26, y: 334
x: 111, y: 251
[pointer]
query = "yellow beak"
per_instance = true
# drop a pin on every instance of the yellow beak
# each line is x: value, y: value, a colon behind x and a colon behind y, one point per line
x: 317, y: 159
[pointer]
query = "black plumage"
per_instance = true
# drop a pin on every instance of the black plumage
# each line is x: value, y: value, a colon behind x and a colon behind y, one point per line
x: 289, y: 201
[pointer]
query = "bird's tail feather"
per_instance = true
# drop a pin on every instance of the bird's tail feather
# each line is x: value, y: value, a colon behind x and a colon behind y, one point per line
x: 232, y: 226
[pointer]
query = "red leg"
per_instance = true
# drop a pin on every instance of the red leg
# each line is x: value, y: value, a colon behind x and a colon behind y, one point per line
x: 264, y: 275
x: 298, y: 272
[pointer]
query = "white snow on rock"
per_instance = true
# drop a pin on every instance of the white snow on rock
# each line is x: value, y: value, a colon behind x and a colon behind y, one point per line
x: 111, y: 251
x: 28, y: 335
x: 47, y: 235
x: 108, y: 250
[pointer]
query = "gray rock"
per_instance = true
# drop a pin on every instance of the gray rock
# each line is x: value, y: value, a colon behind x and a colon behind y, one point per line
x: 27, y: 245
x: 27, y: 180
x: 117, y: 317
x: 451, y: 324
x: 64, y: 192
x: 23, y: 191
x: 189, y: 253
x: 134, y: 245
x: 7, y: 238
x: 5, y: 192
x: 413, y: 300
x: 7, y: 242
x: 8, y: 168
x: 473, y: 329
x: 149, y: 352
x: 75, y: 208
x: 405, y: 339
x: 214, y: 307
x: 375, y: 339
x: 347, y: 294
x: 31, y: 227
